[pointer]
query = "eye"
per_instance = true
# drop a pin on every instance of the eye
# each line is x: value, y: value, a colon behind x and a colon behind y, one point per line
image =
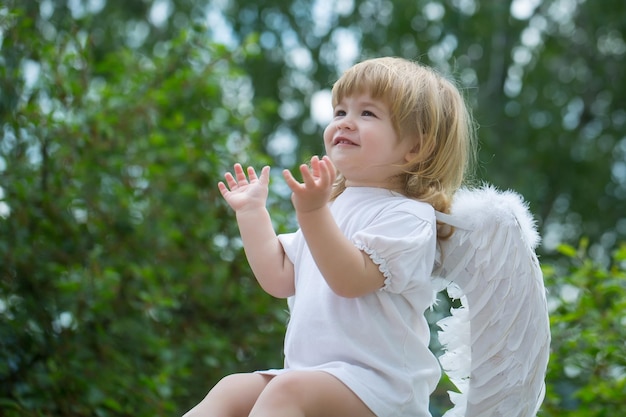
x: 339, y: 112
x: 368, y: 113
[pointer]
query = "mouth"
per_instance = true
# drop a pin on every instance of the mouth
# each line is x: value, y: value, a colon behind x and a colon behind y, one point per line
x: 343, y: 141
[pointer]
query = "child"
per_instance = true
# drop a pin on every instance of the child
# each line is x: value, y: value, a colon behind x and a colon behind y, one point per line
x: 357, y: 272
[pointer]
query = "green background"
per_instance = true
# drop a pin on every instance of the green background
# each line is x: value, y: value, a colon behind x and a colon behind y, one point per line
x: 123, y: 287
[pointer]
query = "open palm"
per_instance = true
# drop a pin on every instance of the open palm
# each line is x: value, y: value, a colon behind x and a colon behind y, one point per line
x: 316, y: 186
x: 243, y: 192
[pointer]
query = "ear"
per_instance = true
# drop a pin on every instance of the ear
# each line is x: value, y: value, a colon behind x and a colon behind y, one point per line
x: 410, y: 156
x: 413, y: 153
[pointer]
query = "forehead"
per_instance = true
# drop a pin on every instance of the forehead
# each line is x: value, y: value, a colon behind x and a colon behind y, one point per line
x: 361, y: 94
x: 370, y: 77
x: 362, y: 99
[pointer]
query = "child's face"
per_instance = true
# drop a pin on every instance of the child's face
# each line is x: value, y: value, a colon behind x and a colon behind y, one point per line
x: 362, y: 143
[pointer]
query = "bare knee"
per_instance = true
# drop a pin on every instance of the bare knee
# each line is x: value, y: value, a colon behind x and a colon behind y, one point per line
x: 290, y: 385
x: 233, y: 396
x: 281, y: 397
x: 231, y: 383
x: 310, y: 394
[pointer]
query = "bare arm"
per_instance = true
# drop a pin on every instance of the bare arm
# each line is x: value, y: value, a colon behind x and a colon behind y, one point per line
x: 266, y: 256
x: 348, y: 271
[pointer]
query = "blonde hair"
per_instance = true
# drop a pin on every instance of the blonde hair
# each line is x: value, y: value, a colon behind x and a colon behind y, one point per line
x: 426, y: 108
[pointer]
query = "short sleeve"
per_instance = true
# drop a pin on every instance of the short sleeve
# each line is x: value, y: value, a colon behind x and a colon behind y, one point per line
x: 291, y: 243
x: 403, y: 245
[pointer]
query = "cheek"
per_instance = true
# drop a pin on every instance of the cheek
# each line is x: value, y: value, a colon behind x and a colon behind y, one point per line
x: 328, y: 135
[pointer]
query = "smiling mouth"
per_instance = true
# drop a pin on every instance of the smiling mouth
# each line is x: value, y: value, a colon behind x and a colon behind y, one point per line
x: 343, y: 141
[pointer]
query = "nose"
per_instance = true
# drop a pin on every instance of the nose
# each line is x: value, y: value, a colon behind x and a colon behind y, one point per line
x: 345, y: 123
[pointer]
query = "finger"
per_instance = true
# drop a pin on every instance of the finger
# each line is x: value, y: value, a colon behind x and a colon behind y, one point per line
x: 315, y: 165
x: 307, y: 177
x: 324, y: 176
x: 252, y: 174
x: 333, y: 170
x: 223, y: 189
x: 290, y: 180
x: 230, y: 180
x: 239, y: 174
x: 265, y: 175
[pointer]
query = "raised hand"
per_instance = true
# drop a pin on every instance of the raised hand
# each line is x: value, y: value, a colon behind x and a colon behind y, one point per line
x: 245, y: 193
x: 315, y: 189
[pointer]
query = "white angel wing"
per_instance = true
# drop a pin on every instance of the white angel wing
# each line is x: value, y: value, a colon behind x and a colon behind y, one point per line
x: 497, y: 343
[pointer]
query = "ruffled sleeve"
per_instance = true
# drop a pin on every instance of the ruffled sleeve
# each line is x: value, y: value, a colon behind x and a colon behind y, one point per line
x: 291, y: 243
x: 403, y: 245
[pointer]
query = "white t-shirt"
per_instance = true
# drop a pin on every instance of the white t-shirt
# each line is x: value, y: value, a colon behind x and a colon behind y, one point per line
x: 376, y: 344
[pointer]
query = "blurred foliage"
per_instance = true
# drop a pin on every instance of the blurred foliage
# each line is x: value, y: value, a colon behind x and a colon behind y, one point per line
x: 123, y: 287
x: 587, y: 369
x: 544, y: 79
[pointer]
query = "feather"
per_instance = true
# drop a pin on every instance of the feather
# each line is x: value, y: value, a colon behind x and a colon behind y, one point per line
x: 496, y: 345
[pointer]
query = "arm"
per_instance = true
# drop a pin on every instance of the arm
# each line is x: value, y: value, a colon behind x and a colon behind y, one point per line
x: 266, y: 256
x: 348, y: 271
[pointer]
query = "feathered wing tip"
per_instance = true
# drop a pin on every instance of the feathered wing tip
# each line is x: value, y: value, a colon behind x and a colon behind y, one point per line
x: 496, y: 345
x: 480, y: 205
